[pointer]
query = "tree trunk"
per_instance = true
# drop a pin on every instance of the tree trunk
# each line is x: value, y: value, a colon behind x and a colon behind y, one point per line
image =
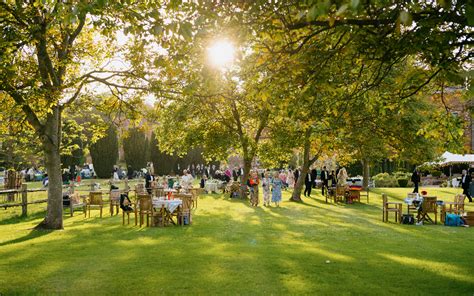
x: 51, y: 140
x: 245, y: 176
x: 296, y: 195
x: 366, y: 175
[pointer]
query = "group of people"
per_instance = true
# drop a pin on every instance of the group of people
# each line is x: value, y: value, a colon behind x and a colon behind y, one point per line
x: 185, y: 181
x: 328, y: 179
x: 272, y: 187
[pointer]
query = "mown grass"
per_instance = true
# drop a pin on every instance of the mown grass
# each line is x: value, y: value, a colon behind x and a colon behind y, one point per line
x: 232, y: 248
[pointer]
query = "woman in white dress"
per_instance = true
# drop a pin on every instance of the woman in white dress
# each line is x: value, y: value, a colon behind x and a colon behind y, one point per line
x: 342, y: 177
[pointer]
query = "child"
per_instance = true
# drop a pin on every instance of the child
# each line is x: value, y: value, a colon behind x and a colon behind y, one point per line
x: 266, y: 189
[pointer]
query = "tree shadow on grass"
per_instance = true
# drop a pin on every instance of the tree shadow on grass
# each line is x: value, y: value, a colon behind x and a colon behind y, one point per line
x: 20, y: 219
x: 31, y: 235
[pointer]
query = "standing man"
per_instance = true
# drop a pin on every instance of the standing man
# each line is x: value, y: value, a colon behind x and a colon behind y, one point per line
x: 314, y: 174
x: 416, y: 179
x: 148, y: 179
x: 324, y: 179
x: 308, y: 182
x: 465, y: 182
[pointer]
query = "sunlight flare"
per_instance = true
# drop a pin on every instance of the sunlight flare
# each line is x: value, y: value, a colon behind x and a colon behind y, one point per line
x: 221, y: 54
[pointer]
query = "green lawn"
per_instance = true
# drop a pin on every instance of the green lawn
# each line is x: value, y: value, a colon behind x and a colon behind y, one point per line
x: 232, y: 248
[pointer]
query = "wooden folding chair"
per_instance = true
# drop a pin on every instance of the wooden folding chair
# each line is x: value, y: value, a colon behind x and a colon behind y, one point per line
x: 95, y: 200
x: 114, y: 201
x: 139, y: 189
x: 365, y: 193
x: 145, y: 208
x: 158, y: 191
x: 330, y: 194
x: 185, y: 208
x: 395, y: 207
x: 195, y: 193
x: 428, y: 206
x: 127, y: 213
x: 412, y: 207
x: 340, y: 194
x: 456, y: 206
x: 76, y: 202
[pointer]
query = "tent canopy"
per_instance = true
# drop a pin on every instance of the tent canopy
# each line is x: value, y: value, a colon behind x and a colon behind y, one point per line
x: 449, y: 158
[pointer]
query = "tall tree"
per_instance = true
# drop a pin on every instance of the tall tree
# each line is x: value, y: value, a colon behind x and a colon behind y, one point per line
x: 104, y: 153
x: 135, y: 149
x: 51, y: 51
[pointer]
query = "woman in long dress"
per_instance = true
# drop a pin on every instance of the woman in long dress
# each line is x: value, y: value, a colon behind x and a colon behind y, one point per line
x: 277, y: 184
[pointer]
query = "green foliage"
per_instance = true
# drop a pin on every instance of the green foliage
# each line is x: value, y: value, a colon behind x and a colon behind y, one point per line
x: 385, y: 180
x: 72, y: 153
x: 135, y: 149
x: 163, y: 163
x: 104, y: 153
x: 397, y: 179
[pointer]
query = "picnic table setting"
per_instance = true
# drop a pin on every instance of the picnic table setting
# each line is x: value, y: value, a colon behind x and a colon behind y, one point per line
x: 347, y: 194
x: 423, y: 208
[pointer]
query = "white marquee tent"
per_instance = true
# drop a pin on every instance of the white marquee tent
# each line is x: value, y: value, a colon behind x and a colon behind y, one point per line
x: 449, y: 158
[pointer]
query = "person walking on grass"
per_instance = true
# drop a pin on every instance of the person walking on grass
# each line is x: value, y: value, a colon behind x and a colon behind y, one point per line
x: 277, y: 184
x: 252, y: 183
x: 308, y: 182
x: 324, y: 180
x: 266, y: 189
x: 416, y: 178
x: 465, y: 183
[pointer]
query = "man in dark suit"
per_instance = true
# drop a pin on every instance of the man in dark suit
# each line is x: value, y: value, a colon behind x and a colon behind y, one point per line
x: 416, y: 179
x: 314, y: 175
x: 324, y: 179
x: 308, y: 182
x: 465, y: 182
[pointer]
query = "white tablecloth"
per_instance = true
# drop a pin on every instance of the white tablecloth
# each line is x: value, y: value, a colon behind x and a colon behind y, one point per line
x: 211, y: 187
x: 170, y: 205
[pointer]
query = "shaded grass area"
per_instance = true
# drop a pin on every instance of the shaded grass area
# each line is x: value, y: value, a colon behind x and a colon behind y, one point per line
x: 232, y: 248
